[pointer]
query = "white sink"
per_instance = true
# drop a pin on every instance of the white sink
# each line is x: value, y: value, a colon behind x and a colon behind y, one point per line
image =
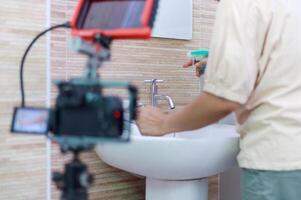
x: 177, y: 164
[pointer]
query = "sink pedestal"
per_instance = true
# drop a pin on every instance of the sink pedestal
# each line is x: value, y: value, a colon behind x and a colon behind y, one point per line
x: 176, y: 190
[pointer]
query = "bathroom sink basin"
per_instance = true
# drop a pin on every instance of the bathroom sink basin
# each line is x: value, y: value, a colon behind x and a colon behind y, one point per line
x: 182, y: 156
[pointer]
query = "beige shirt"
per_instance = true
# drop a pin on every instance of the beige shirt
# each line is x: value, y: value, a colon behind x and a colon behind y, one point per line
x: 255, y: 59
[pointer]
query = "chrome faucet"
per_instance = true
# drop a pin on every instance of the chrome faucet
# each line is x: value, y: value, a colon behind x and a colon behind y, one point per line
x: 155, y: 96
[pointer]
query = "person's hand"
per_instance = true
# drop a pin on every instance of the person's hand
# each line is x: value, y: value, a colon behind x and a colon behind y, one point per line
x: 199, y: 66
x: 150, y: 121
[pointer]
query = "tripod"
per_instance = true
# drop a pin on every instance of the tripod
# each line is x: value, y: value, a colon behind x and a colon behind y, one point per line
x: 75, y: 180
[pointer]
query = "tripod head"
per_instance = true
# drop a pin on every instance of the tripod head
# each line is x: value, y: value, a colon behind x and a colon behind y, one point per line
x: 75, y: 180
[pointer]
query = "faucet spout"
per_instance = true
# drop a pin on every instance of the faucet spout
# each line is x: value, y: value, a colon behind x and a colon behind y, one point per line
x: 170, y: 102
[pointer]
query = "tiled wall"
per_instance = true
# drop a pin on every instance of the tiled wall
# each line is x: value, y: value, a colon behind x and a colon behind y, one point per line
x: 135, y: 61
x: 22, y: 159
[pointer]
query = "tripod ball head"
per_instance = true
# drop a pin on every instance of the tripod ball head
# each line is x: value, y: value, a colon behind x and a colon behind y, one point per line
x: 74, y: 182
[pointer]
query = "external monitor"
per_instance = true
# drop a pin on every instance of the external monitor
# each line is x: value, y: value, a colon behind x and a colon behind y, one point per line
x: 118, y: 19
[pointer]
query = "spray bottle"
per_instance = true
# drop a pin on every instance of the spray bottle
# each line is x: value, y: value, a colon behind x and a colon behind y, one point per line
x: 196, y: 56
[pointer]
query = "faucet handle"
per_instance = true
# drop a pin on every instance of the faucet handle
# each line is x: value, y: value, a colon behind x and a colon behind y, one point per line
x: 153, y: 81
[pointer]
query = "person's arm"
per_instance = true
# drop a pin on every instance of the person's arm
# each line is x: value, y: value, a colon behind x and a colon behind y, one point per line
x: 204, y: 110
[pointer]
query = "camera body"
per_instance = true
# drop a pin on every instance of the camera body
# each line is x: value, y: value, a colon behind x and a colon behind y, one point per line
x: 82, y: 110
x: 82, y: 115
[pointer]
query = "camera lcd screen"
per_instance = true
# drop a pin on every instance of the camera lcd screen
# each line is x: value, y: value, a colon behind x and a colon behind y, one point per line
x: 30, y: 120
x: 112, y: 14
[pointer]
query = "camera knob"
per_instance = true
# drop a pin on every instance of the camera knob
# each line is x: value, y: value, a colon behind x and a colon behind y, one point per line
x: 58, y: 179
x: 86, y: 179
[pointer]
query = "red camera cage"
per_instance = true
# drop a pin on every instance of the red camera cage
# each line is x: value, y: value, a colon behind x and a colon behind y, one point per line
x: 143, y: 32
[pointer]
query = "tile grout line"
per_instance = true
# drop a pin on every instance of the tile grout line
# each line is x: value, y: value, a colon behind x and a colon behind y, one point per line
x: 48, y: 97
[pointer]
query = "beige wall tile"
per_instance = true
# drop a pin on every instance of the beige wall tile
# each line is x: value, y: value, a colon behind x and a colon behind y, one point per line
x: 22, y: 158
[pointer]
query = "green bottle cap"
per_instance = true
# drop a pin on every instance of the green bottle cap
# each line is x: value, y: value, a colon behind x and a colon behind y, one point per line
x: 198, y: 54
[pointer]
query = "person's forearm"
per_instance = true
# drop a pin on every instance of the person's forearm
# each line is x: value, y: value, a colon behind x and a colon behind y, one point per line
x: 204, y: 110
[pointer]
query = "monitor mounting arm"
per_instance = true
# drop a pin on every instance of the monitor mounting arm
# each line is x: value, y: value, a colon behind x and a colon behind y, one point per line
x: 98, y: 52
